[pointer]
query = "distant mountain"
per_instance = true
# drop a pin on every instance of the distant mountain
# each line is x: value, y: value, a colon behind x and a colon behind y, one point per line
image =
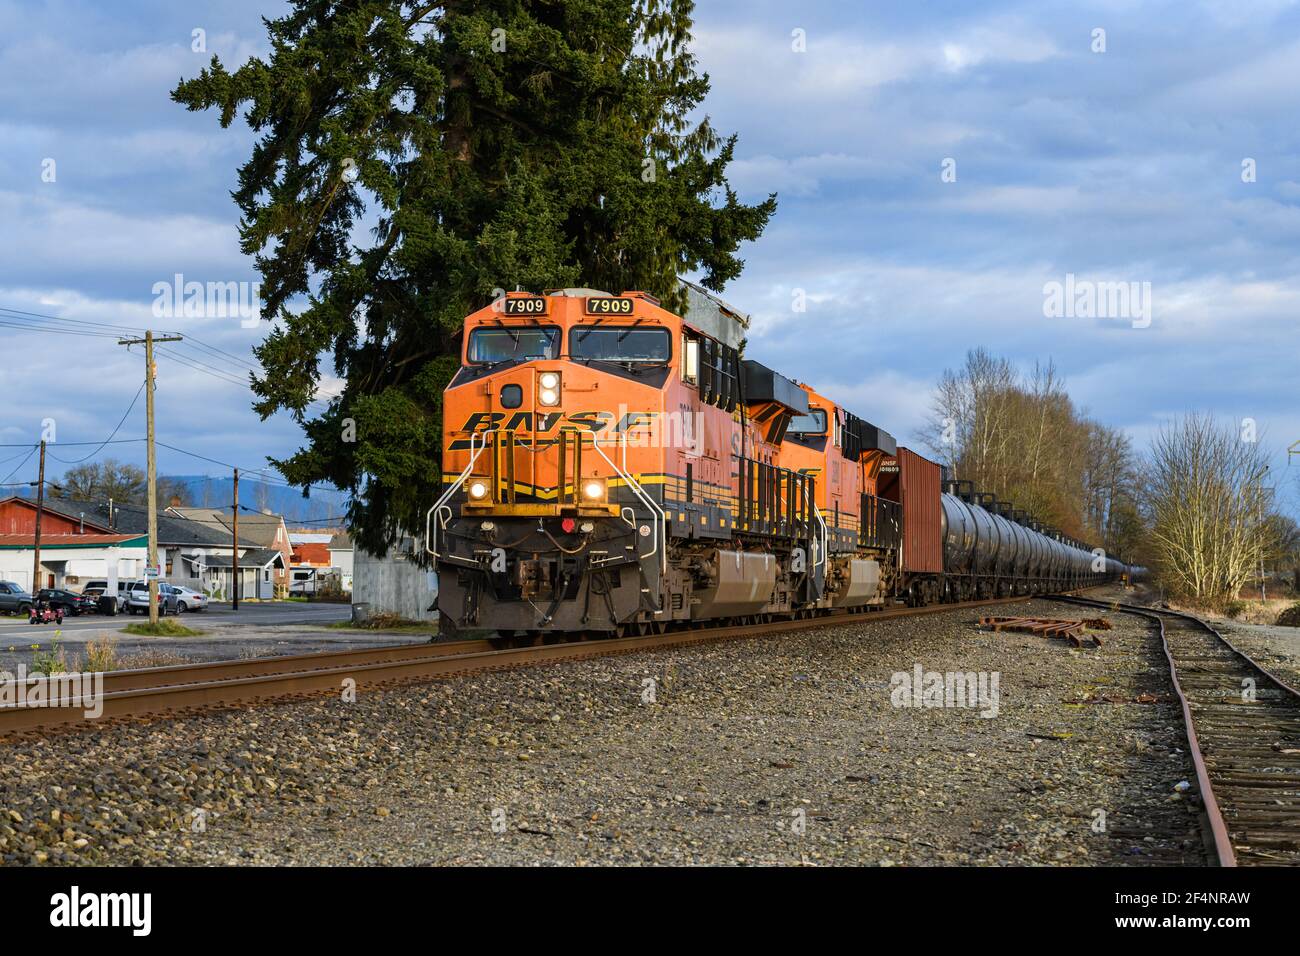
x: 206, y: 492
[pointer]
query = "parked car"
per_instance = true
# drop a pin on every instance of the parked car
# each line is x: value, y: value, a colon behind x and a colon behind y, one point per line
x: 188, y: 599
x: 137, y: 598
x: 14, y: 598
x: 70, y: 602
x: 103, y: 604
x: 99, y: 586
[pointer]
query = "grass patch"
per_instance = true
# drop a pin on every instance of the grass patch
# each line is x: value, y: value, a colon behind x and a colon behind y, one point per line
x: 387, y: 622
x: 166, y: 627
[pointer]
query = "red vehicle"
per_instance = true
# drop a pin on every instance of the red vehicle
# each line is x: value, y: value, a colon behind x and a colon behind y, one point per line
x: 43, y: 612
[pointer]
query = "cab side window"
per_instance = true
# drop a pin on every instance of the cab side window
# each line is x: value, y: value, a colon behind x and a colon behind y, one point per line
x: 690, y: 359
x: 718, y: 373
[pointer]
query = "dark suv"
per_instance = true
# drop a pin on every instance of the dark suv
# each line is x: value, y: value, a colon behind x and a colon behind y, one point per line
x: 13, y: 599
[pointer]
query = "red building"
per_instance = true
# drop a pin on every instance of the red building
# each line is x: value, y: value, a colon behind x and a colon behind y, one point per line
x: 73, y: 548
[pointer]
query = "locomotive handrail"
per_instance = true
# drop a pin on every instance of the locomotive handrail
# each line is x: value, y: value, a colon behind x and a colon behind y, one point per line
x: 644, y: 498
x: 821, y: 525
x: 430, y: 526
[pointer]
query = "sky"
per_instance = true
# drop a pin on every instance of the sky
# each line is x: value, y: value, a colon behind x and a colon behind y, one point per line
x: 938, y: 167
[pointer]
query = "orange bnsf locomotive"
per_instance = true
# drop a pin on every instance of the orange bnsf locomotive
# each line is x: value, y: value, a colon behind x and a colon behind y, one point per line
x: 613, y: 468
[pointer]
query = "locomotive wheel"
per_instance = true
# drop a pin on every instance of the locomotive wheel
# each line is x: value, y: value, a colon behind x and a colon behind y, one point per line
x: 504, y: 640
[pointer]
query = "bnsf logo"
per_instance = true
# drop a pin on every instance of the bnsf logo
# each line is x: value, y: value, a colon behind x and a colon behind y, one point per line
x: 545, y: 422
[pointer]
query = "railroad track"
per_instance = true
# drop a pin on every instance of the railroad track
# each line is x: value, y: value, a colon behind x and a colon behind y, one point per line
x: 1243, y: 727
x: 154, y: 692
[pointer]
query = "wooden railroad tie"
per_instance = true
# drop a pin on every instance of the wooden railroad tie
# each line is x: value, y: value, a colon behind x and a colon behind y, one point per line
x: 1072, y: 631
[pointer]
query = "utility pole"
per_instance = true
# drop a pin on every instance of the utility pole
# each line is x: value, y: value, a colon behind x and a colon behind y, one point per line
x: 234, y: 548
x: 150, y: 374
x: 40, y: 505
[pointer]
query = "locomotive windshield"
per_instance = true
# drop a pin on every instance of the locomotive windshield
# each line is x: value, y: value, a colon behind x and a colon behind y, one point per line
x: 619, y: 343
x: 503, y: 344
x: 814, y: 423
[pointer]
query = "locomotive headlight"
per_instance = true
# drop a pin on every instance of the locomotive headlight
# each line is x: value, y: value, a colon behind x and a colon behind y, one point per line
x: 593, y: 489
x: 548, y: 388
x: 478, y: 489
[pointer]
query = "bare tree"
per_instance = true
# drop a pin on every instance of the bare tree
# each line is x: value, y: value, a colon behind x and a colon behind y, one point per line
x: 1023, y: 439
x: 1211, y: 514
x: 104, y: 480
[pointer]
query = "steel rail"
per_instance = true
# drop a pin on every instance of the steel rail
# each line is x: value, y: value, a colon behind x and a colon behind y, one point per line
x: 1225, y: 847
x: 143, y: 677
x: 155, y: 692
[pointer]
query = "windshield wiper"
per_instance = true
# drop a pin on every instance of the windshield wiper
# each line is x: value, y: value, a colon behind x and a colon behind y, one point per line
x: 627, y: 329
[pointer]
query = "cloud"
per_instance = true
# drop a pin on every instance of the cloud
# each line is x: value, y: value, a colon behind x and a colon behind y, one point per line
x: 1117, y: 166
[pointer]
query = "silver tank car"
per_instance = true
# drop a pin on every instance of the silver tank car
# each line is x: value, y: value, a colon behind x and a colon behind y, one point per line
x: 981, y: 543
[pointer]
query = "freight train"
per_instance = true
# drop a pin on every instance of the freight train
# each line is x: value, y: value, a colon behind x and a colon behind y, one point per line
x: 613, y: 468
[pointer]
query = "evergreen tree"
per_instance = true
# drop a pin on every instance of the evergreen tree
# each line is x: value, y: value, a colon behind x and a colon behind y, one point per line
x: 414, y: 157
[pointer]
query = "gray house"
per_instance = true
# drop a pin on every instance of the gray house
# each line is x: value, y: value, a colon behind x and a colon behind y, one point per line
x: 258, y: 568
x: 192, y: 551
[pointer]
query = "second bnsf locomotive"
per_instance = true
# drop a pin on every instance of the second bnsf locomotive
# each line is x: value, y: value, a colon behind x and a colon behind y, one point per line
x: 613, y: 468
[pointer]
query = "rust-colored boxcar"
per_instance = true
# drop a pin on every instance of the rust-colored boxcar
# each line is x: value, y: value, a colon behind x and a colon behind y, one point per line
x: 915, y: 483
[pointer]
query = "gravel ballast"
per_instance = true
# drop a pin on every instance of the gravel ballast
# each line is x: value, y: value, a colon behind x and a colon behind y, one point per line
x: 778, y: 750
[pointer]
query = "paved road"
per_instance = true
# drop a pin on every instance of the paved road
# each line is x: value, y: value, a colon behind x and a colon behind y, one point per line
x: 284, y: 614
x: 254, y: 630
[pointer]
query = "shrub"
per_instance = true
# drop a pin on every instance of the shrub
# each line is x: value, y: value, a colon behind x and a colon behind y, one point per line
x: 53, y: 661
x: 101, y: 656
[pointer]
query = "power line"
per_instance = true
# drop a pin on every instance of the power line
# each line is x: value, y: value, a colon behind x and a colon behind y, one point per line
x: 227, y: 377
x: 129, y: 408
x: 15, y: 457
x: 213, y: 348
x: 198, y: 366
x: 21, y: 463
x: 89, y: 329
x: 266, y: 479
x: 34, y: 328
x: 75, y: 444
x: 56, y: 318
